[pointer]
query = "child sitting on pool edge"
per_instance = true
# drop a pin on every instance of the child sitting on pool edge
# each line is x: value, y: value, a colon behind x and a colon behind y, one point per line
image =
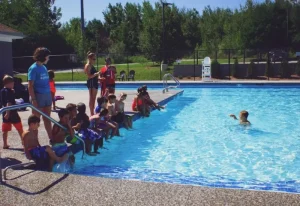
x: 243, y: 117
x: 110, y: 128
x: 139, y: 104
x: 81, y: 123
x: 43, y: 156
x: 121, y: 117
x: 59, y: 135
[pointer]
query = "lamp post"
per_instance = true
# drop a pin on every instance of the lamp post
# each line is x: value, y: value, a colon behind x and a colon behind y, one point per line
x: 82, y: 26
x: 97, y: 41
x: 164, y: 36
x: 293, y: 2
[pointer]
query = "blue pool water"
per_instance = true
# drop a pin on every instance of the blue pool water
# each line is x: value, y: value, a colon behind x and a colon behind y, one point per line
x: 195, y: 142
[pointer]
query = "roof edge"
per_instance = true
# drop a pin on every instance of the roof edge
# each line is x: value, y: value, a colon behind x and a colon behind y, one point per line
x: 18, y: 34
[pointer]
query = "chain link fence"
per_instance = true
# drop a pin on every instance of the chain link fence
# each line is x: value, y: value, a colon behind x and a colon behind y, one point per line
x: 229, y: 64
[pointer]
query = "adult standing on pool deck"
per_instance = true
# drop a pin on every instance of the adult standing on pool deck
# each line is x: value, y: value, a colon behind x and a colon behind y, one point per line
x: 38, y: 86
x: 92, y: 82
x: 108, y: 76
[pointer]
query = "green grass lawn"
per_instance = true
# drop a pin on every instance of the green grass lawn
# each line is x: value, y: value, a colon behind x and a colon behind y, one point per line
x: 143, y: 71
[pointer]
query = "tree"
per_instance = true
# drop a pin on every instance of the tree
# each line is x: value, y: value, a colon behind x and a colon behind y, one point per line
x: 42, y: 20
x: 40, y: 25
x: 97, y: 34
x: 132, y: 26
x: 191, y: 28
x: 114, y: 18
x: 150, y: 37
x: 71, y: 31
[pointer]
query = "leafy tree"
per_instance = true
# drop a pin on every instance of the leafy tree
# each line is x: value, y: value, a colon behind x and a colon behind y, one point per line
x: 114, y: 18
x: 132, y: 27
x: 191, y: 28
x: 71, y: 31
x: 150, y: 36
x: 42, y: 20
x: 95, y: 33
x: 40, y: 25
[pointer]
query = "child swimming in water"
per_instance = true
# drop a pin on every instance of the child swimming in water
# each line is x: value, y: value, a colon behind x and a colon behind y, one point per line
x: 243, y: 117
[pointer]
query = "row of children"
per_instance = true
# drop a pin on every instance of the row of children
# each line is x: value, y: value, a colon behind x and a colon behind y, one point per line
x: 29, y: 138
x: 69, y: 118
x: 143, y: 103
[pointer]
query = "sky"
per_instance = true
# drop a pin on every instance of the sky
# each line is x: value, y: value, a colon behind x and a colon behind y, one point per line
x: 94, y: 8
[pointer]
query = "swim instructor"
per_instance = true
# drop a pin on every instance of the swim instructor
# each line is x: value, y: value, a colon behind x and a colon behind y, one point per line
x: 92, y: 81
x: 38, y: 86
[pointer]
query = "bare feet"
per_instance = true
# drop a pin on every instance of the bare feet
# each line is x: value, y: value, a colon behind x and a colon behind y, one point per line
x: 6, y: 147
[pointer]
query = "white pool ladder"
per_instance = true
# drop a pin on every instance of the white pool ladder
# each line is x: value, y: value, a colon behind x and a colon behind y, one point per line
x: 165, y: 82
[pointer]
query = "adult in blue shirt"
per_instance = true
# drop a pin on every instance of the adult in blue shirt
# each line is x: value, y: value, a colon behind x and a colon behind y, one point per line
x: 38, y: 86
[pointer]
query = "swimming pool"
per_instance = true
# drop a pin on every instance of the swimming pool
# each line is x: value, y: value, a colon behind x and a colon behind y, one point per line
x: 195, y: 142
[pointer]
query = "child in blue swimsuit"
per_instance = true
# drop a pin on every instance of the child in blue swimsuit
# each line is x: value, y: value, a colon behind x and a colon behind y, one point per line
x: 82, y: 124
x: 43, y: 156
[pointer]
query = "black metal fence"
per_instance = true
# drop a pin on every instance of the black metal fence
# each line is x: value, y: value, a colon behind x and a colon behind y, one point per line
x: 226, y: 64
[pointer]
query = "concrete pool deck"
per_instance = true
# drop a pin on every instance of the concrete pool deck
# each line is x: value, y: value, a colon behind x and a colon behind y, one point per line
x: 27, y: 187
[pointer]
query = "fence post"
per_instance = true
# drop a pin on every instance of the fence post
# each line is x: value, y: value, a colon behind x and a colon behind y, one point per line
x: 244, y: 56
x: 229, y: 64
x: 197, y: 57
x: 72, y: 75
x: 194, y: 65
x: 269, y: 66
x: 216, y: 55
x: 127, y: 64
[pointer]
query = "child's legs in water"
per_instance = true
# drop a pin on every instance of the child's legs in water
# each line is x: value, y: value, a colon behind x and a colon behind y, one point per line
x: 116, y: 130
x: 54, y: 158
x: 97, y: 143
x: 129, y: 119
x: 125, y: 122
x: 113, y: 127
x: 88, y: 145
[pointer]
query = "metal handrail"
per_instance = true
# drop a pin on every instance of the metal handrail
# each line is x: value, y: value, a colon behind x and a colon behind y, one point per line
x: 13, y: 107
x: 165, y: 81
